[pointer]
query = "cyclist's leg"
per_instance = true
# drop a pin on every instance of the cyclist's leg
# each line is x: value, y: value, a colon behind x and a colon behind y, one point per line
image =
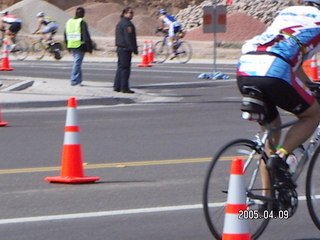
x: 170, y: 38
x: 272, y: 118
x: 9, y: 36
x: 12, y: 32
x: 49, y: 31
x: 303, y: 129
x: 275, y: 138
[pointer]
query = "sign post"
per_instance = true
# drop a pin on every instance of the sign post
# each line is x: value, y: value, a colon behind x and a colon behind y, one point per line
x: 214, y: 21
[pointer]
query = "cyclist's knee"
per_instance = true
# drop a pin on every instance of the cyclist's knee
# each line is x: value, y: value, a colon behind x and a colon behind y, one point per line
x: 312, y: 113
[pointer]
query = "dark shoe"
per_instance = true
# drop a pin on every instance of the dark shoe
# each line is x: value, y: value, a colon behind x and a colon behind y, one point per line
x: 116, y: 90
x: 128, y: 91
x: 57, y: 54
x: 281, y: 171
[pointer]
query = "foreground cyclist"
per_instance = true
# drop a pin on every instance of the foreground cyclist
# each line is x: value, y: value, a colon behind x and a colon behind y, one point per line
x: 272, y: 63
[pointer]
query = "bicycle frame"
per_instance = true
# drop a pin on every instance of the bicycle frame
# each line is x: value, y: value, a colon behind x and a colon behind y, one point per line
x: 306, y: 156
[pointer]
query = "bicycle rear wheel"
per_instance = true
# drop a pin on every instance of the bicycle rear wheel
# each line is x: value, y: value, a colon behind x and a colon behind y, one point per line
x: 161, y: 51
x: 217, y: 182
x: 21, y: 50
x: 313, y: 188
x: 184, y: 52
x: 38, y: 50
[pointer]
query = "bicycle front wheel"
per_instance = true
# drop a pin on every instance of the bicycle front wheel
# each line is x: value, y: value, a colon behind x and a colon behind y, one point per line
x: 38, y: 50
x: 184, y: 52
x: 21, y: 50
x: 313, y: 188
x: 217, y: 181
x: 161, y: 51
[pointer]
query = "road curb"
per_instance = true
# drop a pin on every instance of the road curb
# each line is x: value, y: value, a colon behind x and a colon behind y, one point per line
x: 62, y: 103
x: 19, y: 86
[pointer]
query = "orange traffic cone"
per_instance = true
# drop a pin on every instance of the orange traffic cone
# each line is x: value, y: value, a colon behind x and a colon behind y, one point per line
x: 2, y: 124
x: 235, y: 228
x: 311, y: 69
x: 145, y: 61
x: 72, y: 165
x: 5, y: 57
x: 151, y: 52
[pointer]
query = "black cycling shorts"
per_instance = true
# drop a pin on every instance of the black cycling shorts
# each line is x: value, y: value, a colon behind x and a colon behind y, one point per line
x: 277, y: 92
x: 15, y: 27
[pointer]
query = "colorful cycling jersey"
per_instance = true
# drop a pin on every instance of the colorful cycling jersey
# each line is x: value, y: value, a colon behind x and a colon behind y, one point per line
x: 170, y: 20
x: 46, y: 20
x: 293, y: 37
x: 9, y: 19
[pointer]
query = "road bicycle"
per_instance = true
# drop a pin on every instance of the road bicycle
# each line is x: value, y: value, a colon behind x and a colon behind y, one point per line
x: 21, y: 49
x: 53, y: 47
x: 162, y: 50
x: 281, y: 202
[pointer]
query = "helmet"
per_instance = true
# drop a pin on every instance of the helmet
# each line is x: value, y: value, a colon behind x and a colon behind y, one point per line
x: 4, y: 12
x: 40, y: 14
x: 312, y: 1
x: 164, y: 11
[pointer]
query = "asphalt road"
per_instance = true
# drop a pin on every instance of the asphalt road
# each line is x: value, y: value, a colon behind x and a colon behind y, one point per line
x: 151, y: 159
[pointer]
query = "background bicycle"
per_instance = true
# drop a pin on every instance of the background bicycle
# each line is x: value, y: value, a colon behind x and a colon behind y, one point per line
x: 183, y: 49
x: 281, y: 202
x: 21, y: 49
x: 54, y: 47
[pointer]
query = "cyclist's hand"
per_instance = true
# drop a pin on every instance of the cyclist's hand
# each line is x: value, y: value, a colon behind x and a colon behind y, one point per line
x: 159, y: 30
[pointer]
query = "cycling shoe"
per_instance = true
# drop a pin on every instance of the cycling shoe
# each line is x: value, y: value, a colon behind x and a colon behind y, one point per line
x: 281, y: 171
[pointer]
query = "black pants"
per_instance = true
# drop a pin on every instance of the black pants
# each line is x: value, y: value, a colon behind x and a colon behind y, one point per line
x: 121, y: 81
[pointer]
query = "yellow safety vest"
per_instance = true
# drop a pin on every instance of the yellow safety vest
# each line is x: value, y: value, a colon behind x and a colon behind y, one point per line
x: 73, y: 32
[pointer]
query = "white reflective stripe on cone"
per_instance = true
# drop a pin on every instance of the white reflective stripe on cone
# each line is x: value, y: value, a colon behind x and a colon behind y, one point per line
x: 236, y: 191
x: 71, y: 138
x: 234, y: 225
x: 72, y: 117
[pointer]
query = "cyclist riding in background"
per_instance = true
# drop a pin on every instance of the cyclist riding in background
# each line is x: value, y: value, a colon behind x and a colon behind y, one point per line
x: 10, y: 25
x: 272, y: 63
x: 169, y: 23
x: 50, y: 26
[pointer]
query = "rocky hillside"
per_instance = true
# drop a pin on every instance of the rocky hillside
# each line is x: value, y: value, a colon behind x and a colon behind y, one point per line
x: 103, y: 14
x: 147, y: 6
x: 263, y: 10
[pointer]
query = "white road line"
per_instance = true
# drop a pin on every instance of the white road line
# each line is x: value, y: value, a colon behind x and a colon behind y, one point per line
x: 99, y: 214
x: 113, y: 213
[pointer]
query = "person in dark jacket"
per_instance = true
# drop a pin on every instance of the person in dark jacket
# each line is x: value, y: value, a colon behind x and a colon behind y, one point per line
x: 126, y: 43
x: 78, y: 42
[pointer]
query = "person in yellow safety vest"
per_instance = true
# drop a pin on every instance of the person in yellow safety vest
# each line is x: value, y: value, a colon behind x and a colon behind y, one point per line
x: 78, y: 42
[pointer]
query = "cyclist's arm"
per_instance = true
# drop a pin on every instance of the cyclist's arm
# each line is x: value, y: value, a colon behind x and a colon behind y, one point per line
x: 162, y: 25
x: 38, y: 27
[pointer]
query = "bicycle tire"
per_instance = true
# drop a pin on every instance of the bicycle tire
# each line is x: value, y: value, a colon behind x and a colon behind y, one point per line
x: 313, y: 188
x: 217, y: 181
x: 184, y: 52
x: 161, y: 52
x: 22, y: 49
x: 38, y: 50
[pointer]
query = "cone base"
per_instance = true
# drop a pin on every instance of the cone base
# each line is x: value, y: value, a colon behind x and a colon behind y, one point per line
x: 60, y: 179
x: 3, y: 124
x: 144, y: 65
x: 6, y: 69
